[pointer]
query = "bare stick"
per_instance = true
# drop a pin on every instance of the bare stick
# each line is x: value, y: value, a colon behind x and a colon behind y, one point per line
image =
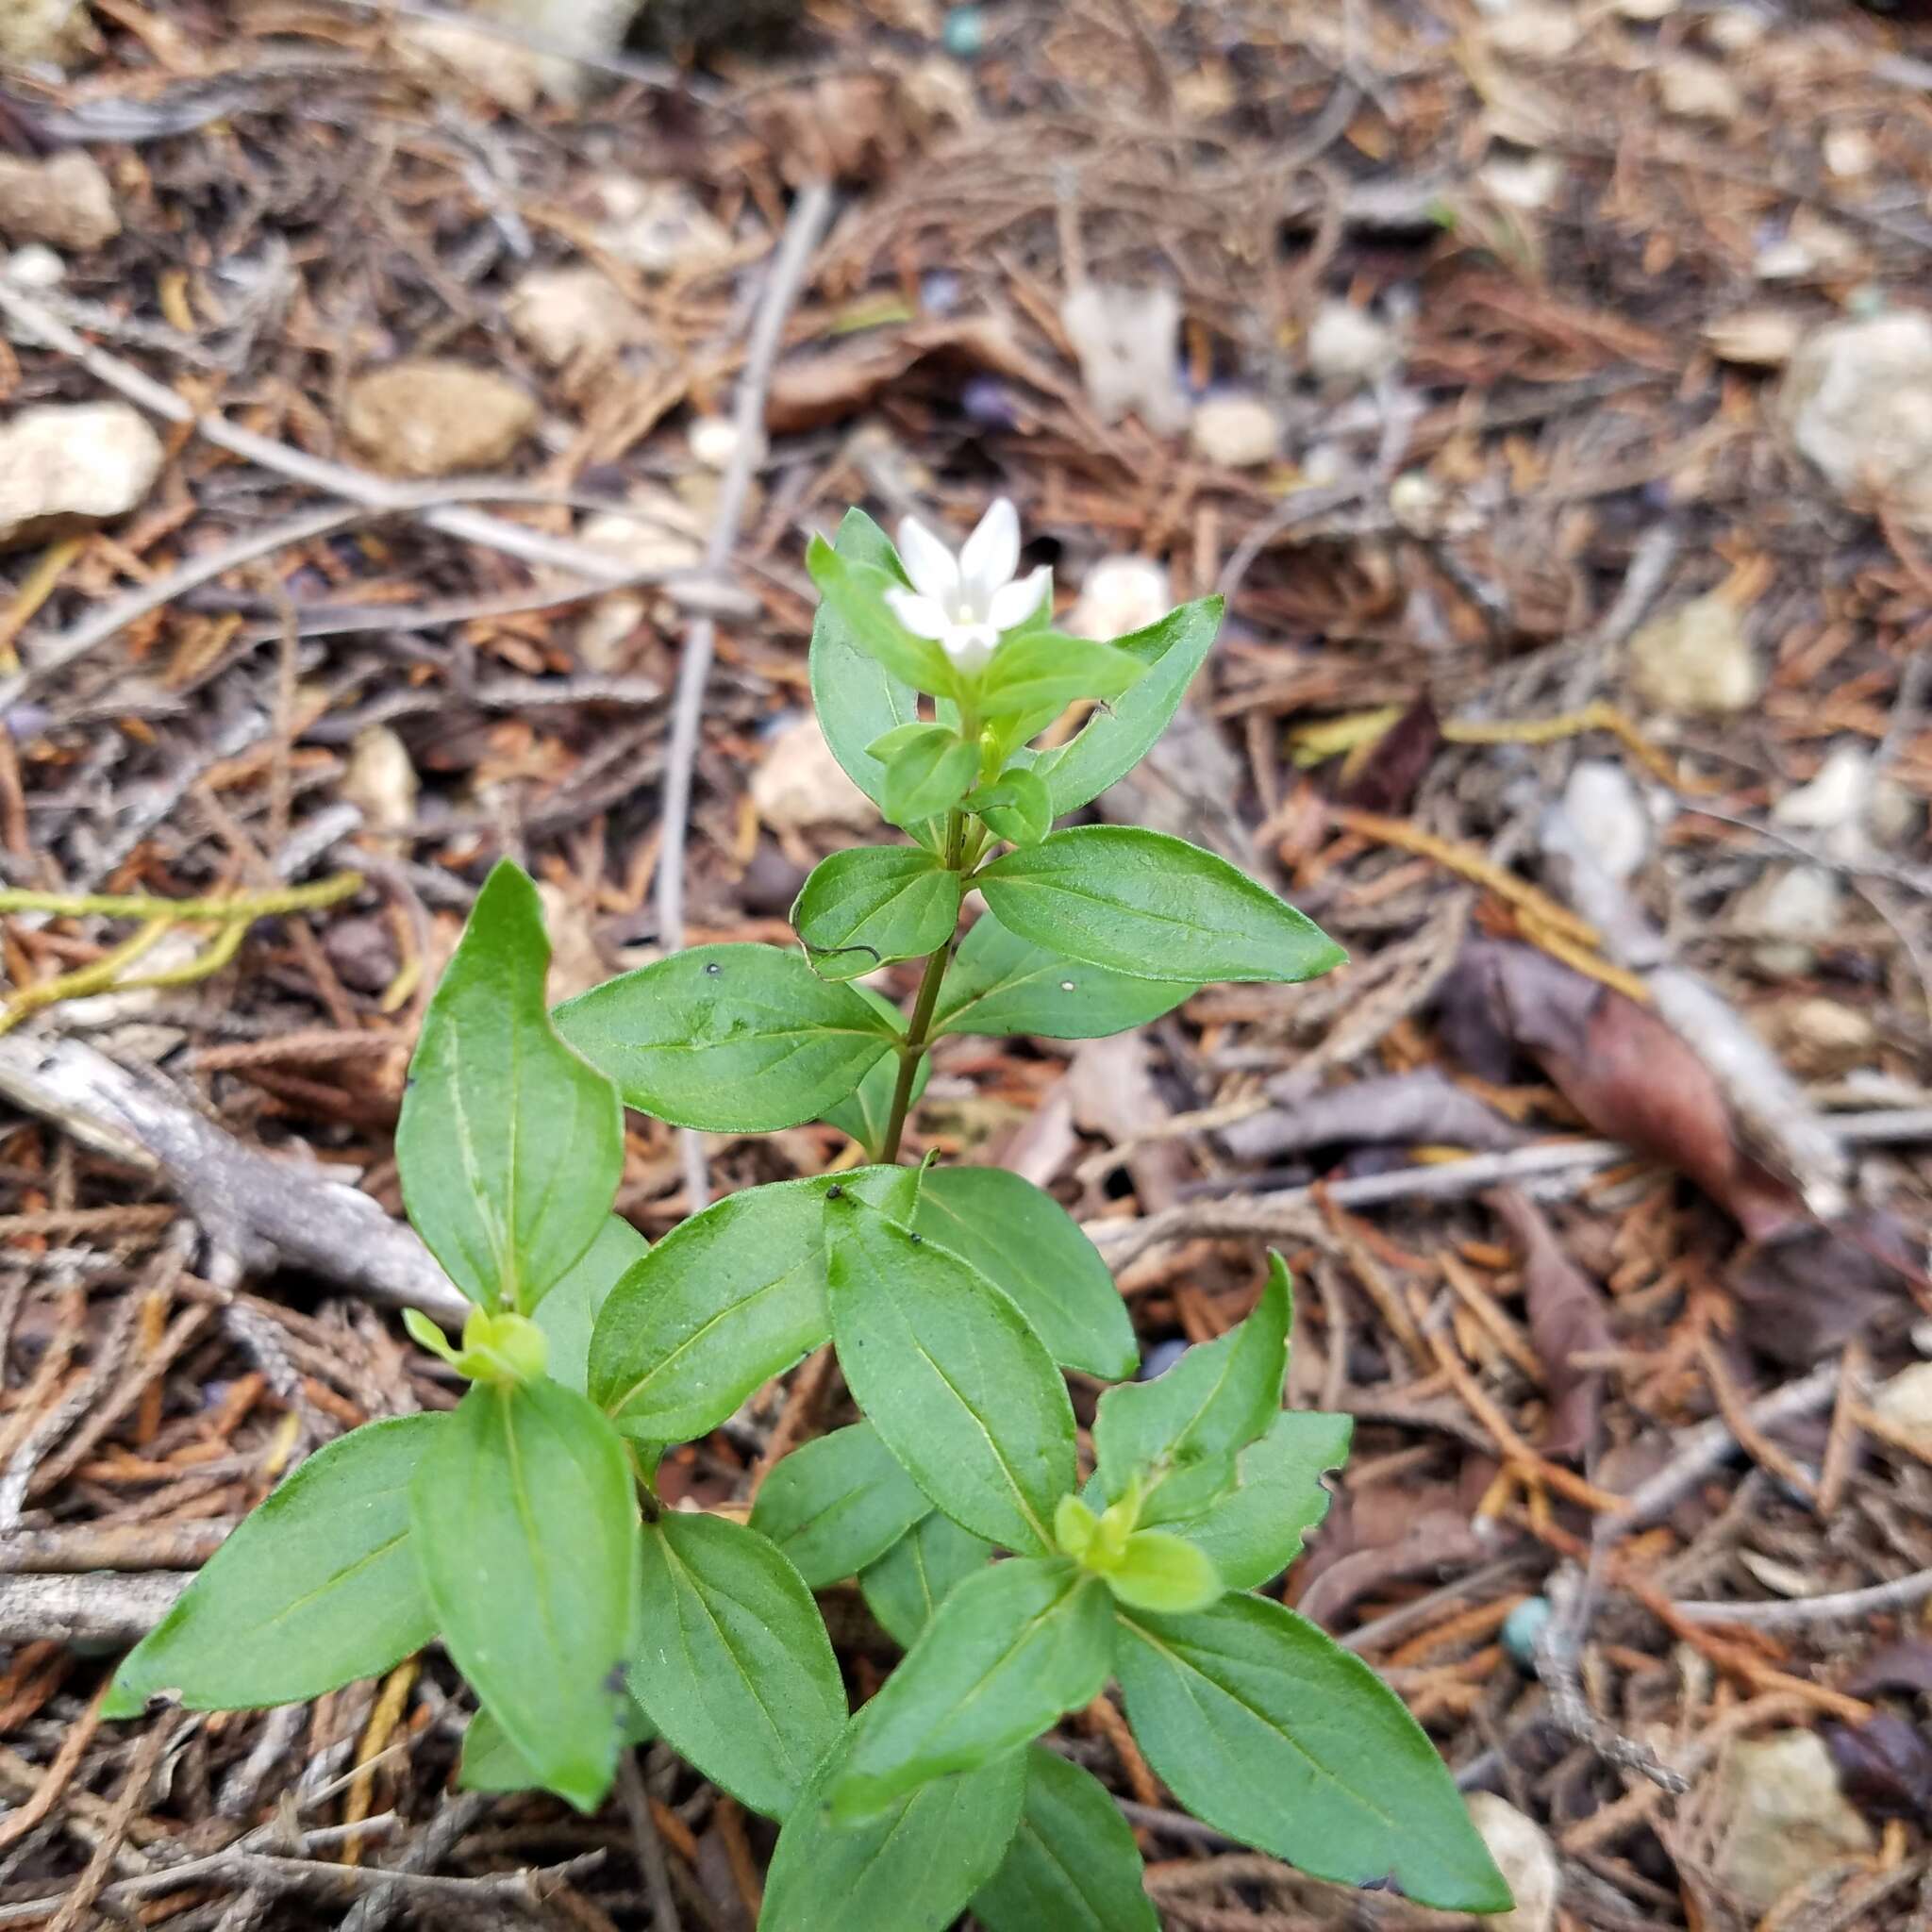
x: 1849, y: 1607
x: 809, y: 213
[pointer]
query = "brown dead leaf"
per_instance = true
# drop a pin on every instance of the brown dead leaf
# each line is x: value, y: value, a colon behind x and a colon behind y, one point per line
x: 1566, y: 1319
x: 1407, y: 1109
x: 1807, y: 1289
x: 1386, y: 776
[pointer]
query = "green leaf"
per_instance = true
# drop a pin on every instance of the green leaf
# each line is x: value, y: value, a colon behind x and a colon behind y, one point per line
x: 1114, y: 740
x: 525, y: 1524
x: 1267, y: 1731
x: 912, y: 1869
x: 869, y: 905
x: 568, y: 1311
x: 735, y: 1667
x: 999, y: 983
x: 1037, y: 669
x: 314, y: 1590
x: 491, y: 1763
x: 509, y: 1147
x: 1256, y: 1532
x: 1180, y: 1433
x: 857, y: 592
x: 734, y: 1040
x: 837, y: 1504
x: 725, y: 1301
x: 1027, y: 1245
x: 866, y: 1112
x: 904, y: 1587
x: 960, y: 1389
x: 1008, y: 1652
x: 930, y: 772
x: 1158, y: 1571
x: 1015, y: 806
x: 1142, y: 903
x: 858, y: 699
x: 1072, y: 1865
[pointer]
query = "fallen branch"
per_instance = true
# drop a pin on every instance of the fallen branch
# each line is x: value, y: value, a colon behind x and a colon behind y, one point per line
x: 104, y: 1607
x: 253, y: 1211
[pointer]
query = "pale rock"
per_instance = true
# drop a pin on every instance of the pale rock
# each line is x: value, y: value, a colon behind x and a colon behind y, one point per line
x: 1733, y: 29
x: 1849, y: 152
x: 1525, y: 1857
x: 1792, y: 911
x: 1349, y: 348
x: 800, y: 783
x: 1525, y: 182
x: 576, y: 960
x: 592, y: 27
x: 1121, y: 594
x: 68, y: 466
x: 1695, y: 90
x: 666, y: 536
x: 435, y: 52
x: 606, y: 633
x: 1835, y: 801
x: 380, y: 780
x: 1905, y: 1401
x: 1894, y: 812
x: 1781, y: 1816
x: 1600, y: 800
x: 1234, y: 432
x: 1809, y: 246
x: 1127, y: 342
x: 1535, y: 32
x: 432, y: 417
x: 1856, y: 402
x: 713, y: 441
x: 1755, y: 337
x: 38, y: 30
x: 1818, y: 1037
x: 655, y: 227
x: 66, y: 201
x: 1646, y: 10
x: 33, y: 270
x: 565, y: 314
x: 1695, y: 659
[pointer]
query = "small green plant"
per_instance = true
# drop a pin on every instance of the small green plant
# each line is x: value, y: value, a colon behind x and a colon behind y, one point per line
x: 523, y: 1529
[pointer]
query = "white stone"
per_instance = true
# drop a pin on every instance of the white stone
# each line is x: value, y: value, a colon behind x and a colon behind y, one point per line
x: 33, y: 270
x: 380, y: 780
x: 1523, y: 181
x: 437, y: 53
x: 1820, y: 1038
x: 1121, y: 594
x: 1791, y: 910
x: 1534, y: 32
x: 1905, y: 1400
x: 35, y: 30
x: 1349, y: 348
x: 800, y: 783
x: 1836, y: 799
x: 564, y: 314
x: 1234, y: 432
x: 1525, y: 1858
x: 655, y: 225
x: 594, y: 27
x: 65, y: 200
x: 432, y: 417
x: 68, y: 466
x: 1605, y: 807
x: 713, y: 441
x: 1780, y: 1817
x: 1732, y: 29
x: 1695, y: 90
x: 1856, y: 402
x: 1127, y: 342
x: 1695, y: 659
x: 1757, y: 338
x: 666, y: 536
x: 1849, y: 152
x: 607, y: 632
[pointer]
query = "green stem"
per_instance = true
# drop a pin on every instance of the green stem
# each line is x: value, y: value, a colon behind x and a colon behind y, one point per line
x: 912, y: 1048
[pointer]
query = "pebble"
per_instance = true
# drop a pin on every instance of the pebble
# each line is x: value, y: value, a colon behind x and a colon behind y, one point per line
x: 1820, y: 1038
x: 713, y: 441
x: 1857, y: 403
x: 1348, y: 347
x: 1834, y: 801
x: 1234, y: 432
x: 433, y: 417
x: 1121, y: 594
x: 799, y: 783
x: 1905, y: 1400
x: 1780, y: 1817
x: 1525, y: 1858
x: 65, y: 201
x: 1695, y: 90
x: 379, y: 778
x: 655, y: 227
x: 1695, y: 659
x: 38, y: 30
x: 1523, y: 181
x: 68, y: 466
x: 1600, y: 800
x: 1127, y: 342
x: 565, y: 314
x: 1755, y: 337
x: 592, y: 27
x: 1791, y: 910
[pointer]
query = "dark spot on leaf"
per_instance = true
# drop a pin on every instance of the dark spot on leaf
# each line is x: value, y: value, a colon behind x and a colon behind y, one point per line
x: 1385, y: 1883
x: 835, y: 1194
x: 712, y: 966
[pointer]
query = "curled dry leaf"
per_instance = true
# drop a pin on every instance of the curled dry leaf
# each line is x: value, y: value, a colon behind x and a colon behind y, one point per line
x: 1884, y: 1765
x: 1566, y: 1320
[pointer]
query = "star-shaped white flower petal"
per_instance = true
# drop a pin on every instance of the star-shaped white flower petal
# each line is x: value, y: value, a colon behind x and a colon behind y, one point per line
x: 966, y: 603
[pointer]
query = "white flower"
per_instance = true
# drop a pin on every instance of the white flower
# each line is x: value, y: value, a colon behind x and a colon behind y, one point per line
x: 966, y: 603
